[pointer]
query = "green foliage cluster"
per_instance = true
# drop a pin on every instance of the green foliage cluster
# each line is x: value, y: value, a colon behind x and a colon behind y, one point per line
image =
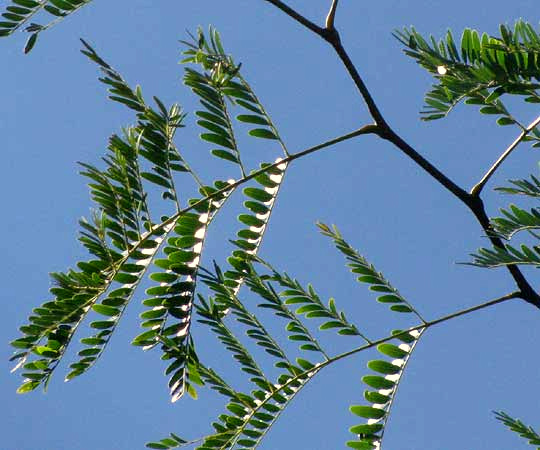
x: 482, y: 70
x: 127, y: 242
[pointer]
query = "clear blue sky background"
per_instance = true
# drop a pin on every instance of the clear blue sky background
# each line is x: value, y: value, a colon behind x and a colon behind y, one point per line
x: 54, y: 112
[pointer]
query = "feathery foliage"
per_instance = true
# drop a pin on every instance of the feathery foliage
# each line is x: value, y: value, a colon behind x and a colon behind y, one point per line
x: 20, y: 12
x: 225, y: 302
x: 368, y: 274
x: 127, y: 242
x: 513, y: 224
x: 517, y: 426
x: 388, y: 373
x: 478, y: 71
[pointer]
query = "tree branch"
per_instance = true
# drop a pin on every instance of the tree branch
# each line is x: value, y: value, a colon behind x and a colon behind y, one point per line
x: 527, y: 293
x: 386, y: 131
x: 297, y: 16
x: 331, y: 35
x: 473, y: 202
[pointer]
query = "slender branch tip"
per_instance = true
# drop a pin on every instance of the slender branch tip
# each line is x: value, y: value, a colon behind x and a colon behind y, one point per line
x: 330, y: 18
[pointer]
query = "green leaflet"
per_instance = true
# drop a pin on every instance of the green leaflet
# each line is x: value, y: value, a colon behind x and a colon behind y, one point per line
x: 173, y: 441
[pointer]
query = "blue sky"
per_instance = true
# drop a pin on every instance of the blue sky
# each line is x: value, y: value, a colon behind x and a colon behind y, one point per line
x: 54, y: 113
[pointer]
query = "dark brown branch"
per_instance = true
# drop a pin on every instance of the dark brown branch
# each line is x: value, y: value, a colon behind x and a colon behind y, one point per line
x: 334, y: 40
x: 473, y: 202
x: 386, y: 131
x: 527, y: 293
x: 296, y: 16
x: 383, y: 129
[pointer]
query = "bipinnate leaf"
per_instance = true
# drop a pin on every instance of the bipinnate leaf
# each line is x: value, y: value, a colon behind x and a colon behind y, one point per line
x: 309, y: 304
x: 121, y: 238
x: 383, y: 385
x: 367, y: 273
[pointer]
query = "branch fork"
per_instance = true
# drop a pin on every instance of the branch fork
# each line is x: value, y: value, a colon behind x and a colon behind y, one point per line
x: 383, y: 129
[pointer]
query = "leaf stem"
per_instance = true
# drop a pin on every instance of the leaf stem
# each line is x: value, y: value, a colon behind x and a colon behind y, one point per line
x: 366, y: 129
x: 504, y: 298
x: 475, y: 191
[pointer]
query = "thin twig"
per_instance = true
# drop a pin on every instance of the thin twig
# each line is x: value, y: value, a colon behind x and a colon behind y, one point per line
x: 297, y: 16
x: 330, y: 18
x: 426, y: 325
x: 366, y: 129
x: 475, y: 191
